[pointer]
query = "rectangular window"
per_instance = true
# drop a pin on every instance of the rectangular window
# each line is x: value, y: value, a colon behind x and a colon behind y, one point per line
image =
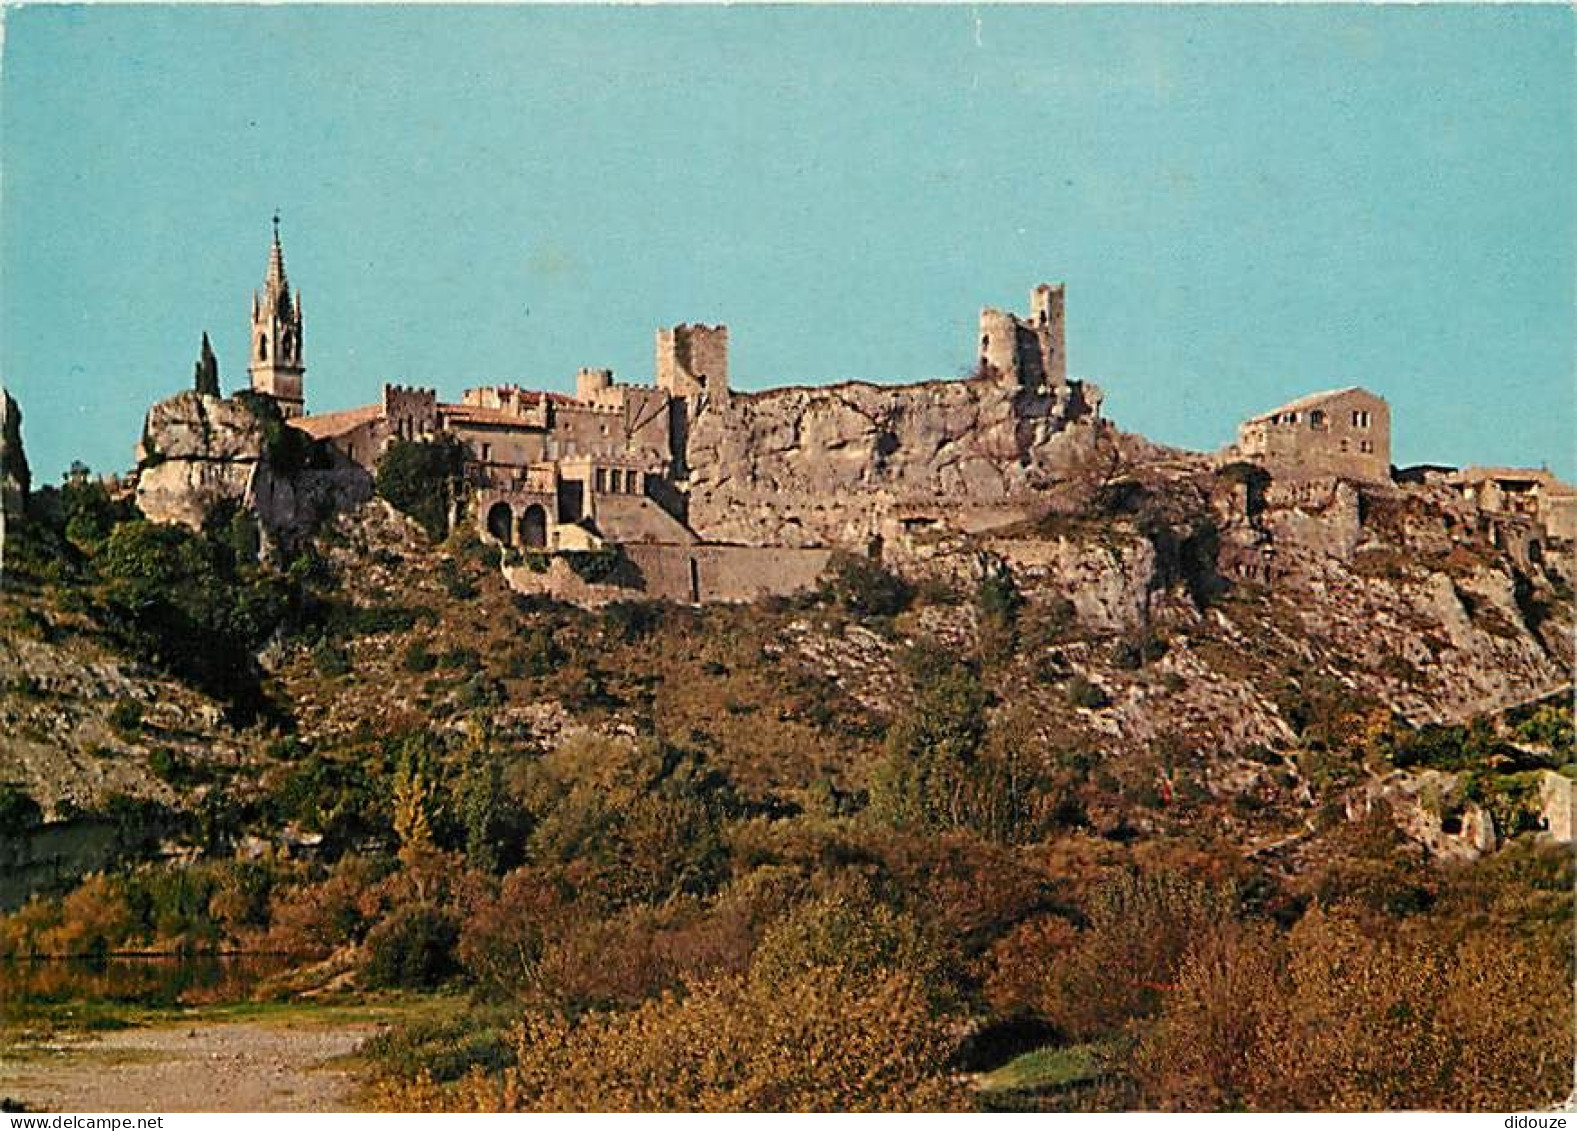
x: 601, y: 480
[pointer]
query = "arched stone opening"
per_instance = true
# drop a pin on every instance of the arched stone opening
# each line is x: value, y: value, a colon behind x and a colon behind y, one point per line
x: 500, y: 522
x: 534, y: 527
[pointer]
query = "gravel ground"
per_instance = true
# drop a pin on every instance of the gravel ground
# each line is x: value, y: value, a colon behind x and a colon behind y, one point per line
x: 208, y: 1067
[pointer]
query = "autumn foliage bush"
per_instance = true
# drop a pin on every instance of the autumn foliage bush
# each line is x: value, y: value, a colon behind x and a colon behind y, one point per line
x: 1335, y: 1017
x: 814, y: 1043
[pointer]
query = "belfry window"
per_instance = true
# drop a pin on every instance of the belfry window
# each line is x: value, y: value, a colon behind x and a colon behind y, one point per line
x: 262, y: 347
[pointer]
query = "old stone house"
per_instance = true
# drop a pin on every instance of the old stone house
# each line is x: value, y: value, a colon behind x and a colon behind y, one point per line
x: 1531, y: 492
x: 1344, y: 433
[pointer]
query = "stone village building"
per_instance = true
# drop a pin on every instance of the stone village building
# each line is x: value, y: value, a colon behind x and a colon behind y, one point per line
x: 1532, y: 492
x: 1343, y: 432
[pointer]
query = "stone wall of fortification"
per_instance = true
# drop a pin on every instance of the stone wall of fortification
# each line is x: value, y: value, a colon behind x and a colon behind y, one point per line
x: 693, y: 359
x: 1028, y: 353
x: 685, y: 574
x: 410, y: 412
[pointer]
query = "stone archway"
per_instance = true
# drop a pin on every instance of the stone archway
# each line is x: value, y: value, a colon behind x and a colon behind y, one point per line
x: 534, y: 527
x: 501, y: 522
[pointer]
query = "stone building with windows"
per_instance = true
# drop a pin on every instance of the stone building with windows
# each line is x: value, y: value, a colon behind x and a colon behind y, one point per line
x: 1528, y: 491
x: 1343, y: 433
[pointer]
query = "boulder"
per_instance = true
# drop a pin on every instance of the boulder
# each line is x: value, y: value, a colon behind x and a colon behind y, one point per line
x: 1558, y: 805
x: 199, y: 451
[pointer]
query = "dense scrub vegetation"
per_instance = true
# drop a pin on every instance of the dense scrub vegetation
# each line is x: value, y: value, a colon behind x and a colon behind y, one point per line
x: 716, y: 879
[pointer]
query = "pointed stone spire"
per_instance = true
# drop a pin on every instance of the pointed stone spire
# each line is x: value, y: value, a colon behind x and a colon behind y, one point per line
x: 276, y: 284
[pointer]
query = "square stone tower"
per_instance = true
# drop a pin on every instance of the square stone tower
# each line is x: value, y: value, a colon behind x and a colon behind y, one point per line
x: 693, y: 359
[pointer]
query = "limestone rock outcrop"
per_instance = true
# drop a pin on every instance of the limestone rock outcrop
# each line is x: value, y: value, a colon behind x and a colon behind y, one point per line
x: 15, y: 478
x: 200, y: 451
x: 807, y: 466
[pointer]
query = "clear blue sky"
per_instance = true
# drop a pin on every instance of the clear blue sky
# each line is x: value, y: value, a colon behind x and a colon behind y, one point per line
x: 1246, y: 203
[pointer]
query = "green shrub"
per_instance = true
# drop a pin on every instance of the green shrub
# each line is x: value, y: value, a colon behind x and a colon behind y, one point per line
x: 1083, y: 693
x: 412, y: 949
x: 330, y: 659
x: 126, y: 716
x: 930, y: 750
x: 536, y: 653
x: 422, y: 479
x: 167, y: 766
x: 445, y: 1048
x: 419, y: 657
x: 19, y: 813
x: 632, y: 620
x: 289, y: 449
x: 862, y: 586
x: 594, y: 566
x: 998, y: 598
x: 461, y: 659
x: 455, y: 583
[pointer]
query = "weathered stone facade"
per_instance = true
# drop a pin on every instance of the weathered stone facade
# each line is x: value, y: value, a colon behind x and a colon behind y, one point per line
x: 1028, y: 353
x: 1345, y: 432
x: 1531, y: 492
x: 694, y: 471
x: 692, y: 360
x: 842, y: 464
x: 687, y: 464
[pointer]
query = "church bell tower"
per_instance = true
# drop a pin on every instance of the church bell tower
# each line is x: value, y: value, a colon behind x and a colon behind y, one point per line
x: 276, y: 367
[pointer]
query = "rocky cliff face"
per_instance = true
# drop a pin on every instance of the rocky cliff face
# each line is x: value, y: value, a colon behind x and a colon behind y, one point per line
x: 15, y: 478
x: 804, y: 466
x: 200, y: 451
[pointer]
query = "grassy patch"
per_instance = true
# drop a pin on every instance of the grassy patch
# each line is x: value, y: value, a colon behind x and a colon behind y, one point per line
x: 1045, y: 1069
x: 38, y: 1018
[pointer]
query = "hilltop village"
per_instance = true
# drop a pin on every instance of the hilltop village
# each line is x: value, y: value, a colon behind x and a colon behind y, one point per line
x: 693, y: 491
x: 708, y: 493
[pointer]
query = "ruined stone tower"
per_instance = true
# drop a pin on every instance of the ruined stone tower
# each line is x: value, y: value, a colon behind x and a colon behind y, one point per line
x: 275, y: 365
x: 693, y: 359
x: 1029, y: 353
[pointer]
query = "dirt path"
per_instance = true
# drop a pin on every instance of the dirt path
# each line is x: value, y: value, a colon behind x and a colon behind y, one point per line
x: 203, y: 1066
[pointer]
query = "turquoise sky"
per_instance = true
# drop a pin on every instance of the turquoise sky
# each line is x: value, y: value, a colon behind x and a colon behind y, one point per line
x: 1246, y: 203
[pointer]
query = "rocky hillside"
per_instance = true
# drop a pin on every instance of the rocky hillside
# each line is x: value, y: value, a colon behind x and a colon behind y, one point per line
x: 1204, y: 646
